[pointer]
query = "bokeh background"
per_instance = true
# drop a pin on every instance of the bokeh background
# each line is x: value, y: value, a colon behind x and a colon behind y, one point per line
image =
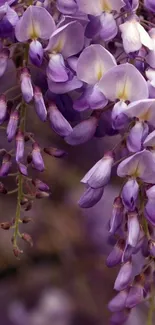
x: 62, y: 279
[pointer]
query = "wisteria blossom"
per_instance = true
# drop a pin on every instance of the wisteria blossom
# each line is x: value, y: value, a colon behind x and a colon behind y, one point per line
x: 87, y: 69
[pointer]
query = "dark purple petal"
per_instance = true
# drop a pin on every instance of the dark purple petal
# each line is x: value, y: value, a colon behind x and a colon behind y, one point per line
x: 91, y: 98
x: 36, y: 53
x: 150, y: 211
x: 90, y: 197
x: 152, y: 247
x: 120, y: 317
x: 130, y: 193
x: 82, y: 132
x: 136, y: 136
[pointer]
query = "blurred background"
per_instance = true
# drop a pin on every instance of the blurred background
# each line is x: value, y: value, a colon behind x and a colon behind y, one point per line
x: 62, y: 279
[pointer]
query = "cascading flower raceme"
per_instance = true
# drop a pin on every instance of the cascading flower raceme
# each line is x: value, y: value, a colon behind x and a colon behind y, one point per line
x: 66, y: 57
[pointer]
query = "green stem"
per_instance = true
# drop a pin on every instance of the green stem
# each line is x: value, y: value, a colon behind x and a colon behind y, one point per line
x: 18, y: 210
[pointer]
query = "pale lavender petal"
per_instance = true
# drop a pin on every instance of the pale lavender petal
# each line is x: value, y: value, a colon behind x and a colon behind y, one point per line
x: 93, y: 63
x: 139, y: 165
x: 63, y: 40
x: 118, y: 302
x: 136, y: 136
x: 19, y: 146
x: 58, y: 122
x: 40, y: 104
x: 109, y: 27
x: 56, y: 70
x: 119, y: 83
x: 23, y: 169
x: 26, y: 85
x: 150, y: 193
x: 67, y: 8
x: 143, y: 109
x: 130, y: 193
x: 36, y: 22
x: 99, y: 174
x: 133, y: 229
x: 124, y: 277
x: 152, y: 247
x: 82, y: 132
x: 150, y: 140
x: 90, y: 197
x: 97, y: 7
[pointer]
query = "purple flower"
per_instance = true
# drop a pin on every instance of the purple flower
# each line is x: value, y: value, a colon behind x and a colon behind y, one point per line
x: 90, y: 197
x: 150, y: 5
x: 58, y: 122
x: 4, y: 56
x: 37, y: 158
x: 83, y: 132
x: 6, y: 165
x: 19, y: 146
x: 133, y: 229
x: 117, y: 215
x: 40, y: 104
x: 115, y: 257
x: 26, y: 85
x: 12, y: 125
x: 130, y: 193
x: 3, y: 108
x: 118, y: 303
x: 99, y: 175
x: 124, y: 277
x: 139, y: 165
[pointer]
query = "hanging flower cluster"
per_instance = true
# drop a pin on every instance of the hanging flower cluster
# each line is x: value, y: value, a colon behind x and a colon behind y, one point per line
x: 96, y: 56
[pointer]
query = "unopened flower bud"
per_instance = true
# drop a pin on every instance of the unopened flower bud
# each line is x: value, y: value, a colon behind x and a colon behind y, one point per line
x: 23, y: 201
x: 26, y: 237
x: 58, y: 122
x: 3, y: 108
x: 133, y: 228
x: 23, y: 169
x: 37, y: 158
x: 5, y: 225
x: 19, y: 146
x: 28, y: 206
x: 26, y: 85
x: 12, y: 125
x: 40, y: 185
x: 4, y: 56
x: 57, y: 153
x: 17, y: 252
x: 6, y: 165
x: 26, y: 220
x: 117, y: 215
x: 42, y: 195
x: 40, y: 104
